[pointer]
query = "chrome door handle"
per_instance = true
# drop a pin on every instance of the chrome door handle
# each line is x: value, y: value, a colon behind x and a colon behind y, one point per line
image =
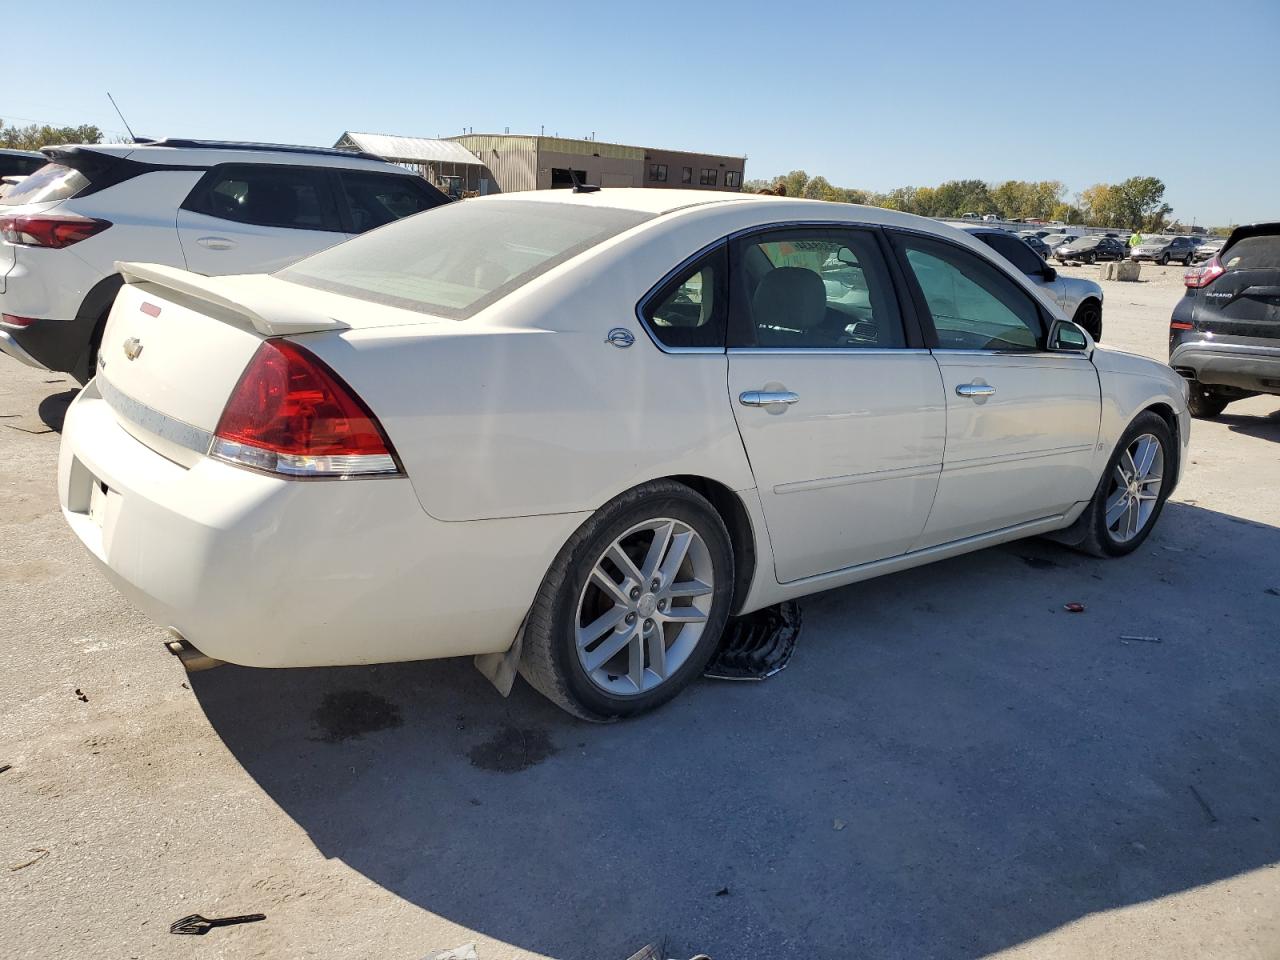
x: 767, y: 398
x: 975, y: 390
x: 216, y: 243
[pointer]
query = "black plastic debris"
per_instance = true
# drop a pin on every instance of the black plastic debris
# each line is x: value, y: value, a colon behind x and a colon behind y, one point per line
x: 198, y: 926
x: 756, y: 646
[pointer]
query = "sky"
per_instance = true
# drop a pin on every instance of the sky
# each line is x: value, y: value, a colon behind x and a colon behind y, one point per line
x: 869, y: 95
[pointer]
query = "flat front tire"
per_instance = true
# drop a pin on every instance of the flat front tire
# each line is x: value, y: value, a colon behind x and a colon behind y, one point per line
x: 633, y: 606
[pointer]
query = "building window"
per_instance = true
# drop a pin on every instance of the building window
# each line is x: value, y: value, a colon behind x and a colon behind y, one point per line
x: 686, y: 175
x: 658, y: 172
x: 733, y: 178
x: 709, y: 176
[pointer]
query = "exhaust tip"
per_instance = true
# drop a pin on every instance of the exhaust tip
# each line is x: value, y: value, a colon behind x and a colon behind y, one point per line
x: 192, y: 659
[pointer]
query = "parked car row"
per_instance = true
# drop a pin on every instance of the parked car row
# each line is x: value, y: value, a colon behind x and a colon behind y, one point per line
x: 210, y: 207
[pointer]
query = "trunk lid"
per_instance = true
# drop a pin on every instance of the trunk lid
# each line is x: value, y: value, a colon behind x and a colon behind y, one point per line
x: 177, y: 343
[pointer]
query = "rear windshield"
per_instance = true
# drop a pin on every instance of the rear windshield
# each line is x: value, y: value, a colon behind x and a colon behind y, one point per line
x: 1254, y: 253
x: 53, y: 181
x: 456, y: 260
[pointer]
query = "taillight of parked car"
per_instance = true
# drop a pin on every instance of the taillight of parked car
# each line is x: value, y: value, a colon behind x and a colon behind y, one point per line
x: 293, y: 416
x: 1198, y: 277
x: 47, y: 230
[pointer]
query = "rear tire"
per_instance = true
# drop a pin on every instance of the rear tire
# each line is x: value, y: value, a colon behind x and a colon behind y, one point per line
x: 1131, y: 494
x: 633, y: 606
x: 1203, y: 402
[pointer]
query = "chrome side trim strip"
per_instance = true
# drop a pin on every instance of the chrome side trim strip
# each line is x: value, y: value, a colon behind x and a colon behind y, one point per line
x: 152, y: 420
x: 902, y: 473
x: 952, y: 465
x: 827, y: 351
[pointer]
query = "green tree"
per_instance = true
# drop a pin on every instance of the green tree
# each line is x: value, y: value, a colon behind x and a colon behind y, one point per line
x: 818, y: 188
x: 958, y: 197
x: 795, y: 182
x: 35, y: 136
x: 1140, y: 200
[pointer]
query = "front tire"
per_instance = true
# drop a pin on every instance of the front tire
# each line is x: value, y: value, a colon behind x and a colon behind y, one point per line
x: 633, y: 606
x: 1132, y: 492
x: 1163, y: 260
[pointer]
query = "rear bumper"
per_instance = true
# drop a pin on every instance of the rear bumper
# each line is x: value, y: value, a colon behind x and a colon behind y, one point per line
x: 1244, y: 366
x: 11, y: 348
x: 266, y: 572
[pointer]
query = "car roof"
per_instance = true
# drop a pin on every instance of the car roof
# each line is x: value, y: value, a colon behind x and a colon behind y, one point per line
x: 659, y: 202
x: 6, y: 152
x: 205, y: 153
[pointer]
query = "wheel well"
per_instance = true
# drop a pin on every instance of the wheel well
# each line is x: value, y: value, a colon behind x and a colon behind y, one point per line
x: 1087, y: 301
x: 729, y: 505
x: 1167, y: 414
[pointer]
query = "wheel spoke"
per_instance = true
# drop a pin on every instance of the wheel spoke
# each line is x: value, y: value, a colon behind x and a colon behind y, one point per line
x: 658, y: 651
x: 1116, y: 508
x: 611, y: 587
x: 624, y: 563
x: 690, y: 588
x: 657, y: 550
x: 635, y: 661
x: 1147, y: 450
x: 1120, y: 479
x: 597, y: 628
x: 683, y: 615
x: 1130, y: 468
x: 1132, y: 525
x: 675, y: 556
x: 602, y: 654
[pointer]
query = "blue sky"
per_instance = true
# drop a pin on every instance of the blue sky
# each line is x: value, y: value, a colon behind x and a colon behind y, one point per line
x: 871, y: 95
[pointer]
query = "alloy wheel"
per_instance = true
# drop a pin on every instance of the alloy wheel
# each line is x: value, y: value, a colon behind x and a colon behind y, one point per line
x: 1135, y: 486
x: 644, y: 606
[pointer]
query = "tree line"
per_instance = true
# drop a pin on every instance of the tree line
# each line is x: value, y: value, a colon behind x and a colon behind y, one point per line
x: 1136, y: 202
x: 39, y: 135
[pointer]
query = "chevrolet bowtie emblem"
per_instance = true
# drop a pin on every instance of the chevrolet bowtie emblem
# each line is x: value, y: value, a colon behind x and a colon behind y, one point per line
x: 132, y: 347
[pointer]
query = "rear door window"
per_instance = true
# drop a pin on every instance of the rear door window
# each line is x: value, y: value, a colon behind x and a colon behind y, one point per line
x: 266, y: 195
x: 376, y: 199
x: 51, y: 182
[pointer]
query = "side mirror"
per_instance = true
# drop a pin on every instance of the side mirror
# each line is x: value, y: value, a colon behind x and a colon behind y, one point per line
x: 1048, y: 273
x: 1066, y: 336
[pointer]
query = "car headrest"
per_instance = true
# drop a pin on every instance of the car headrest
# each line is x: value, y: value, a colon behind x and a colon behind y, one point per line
x: 791, y: 297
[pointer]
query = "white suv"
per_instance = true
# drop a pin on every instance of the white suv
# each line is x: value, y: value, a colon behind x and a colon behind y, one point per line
x: 209, y: 207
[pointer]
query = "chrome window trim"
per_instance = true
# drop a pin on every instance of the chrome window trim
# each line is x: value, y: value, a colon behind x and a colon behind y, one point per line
x: 176, y: 431
x: 825, y: 352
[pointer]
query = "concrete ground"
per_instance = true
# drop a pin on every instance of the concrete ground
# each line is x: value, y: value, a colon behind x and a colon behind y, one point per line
x: 951, y: 767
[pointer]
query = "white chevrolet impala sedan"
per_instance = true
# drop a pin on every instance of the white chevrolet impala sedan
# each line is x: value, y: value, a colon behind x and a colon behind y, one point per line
x: 577, y: 431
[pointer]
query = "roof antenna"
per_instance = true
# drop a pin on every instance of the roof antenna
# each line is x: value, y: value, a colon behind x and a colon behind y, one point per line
x: 121, y: 116
x: 579, y: 186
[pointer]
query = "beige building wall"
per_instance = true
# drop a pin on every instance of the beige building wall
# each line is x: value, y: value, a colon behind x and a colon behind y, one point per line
x: 678, y: 161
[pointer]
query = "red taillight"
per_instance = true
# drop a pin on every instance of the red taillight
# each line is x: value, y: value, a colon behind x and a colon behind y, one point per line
x: 290, y: 414
x: 1180, y: 325
x: 41, y: 230
x: 1198, y: 277
x: 9, y: 320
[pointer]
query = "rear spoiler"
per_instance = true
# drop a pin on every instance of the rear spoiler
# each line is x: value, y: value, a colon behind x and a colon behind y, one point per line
x: 252, y: 297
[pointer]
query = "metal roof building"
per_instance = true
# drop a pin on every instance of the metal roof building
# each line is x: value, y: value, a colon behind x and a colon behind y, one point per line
x: 447, y: 164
